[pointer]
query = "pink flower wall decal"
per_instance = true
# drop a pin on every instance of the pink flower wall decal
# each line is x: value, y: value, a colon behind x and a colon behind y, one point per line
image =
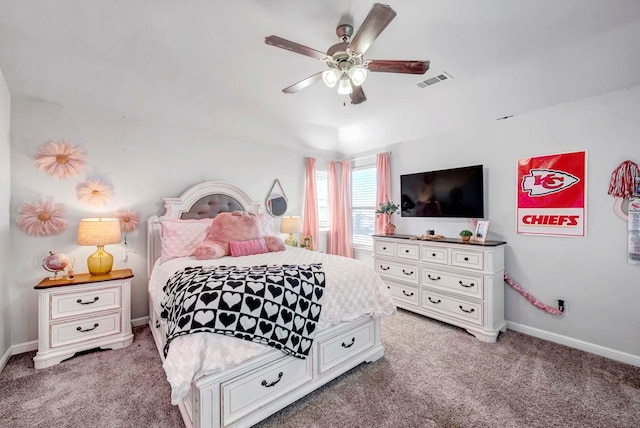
x: 41, y: 219
x: 94, y: 192
x: 61, y: 159
x: 128, y: 220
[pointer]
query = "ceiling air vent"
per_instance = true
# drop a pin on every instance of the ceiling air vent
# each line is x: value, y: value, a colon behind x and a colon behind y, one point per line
x: 433, y: 80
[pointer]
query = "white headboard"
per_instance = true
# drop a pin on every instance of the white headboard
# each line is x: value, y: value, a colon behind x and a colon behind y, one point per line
x: 203, y: 200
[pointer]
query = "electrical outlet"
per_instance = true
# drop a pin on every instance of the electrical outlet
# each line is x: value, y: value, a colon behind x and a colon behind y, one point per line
x: 562, y: 305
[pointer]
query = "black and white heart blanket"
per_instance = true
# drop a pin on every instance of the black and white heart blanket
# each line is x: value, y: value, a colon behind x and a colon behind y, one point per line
x: 275, y: 305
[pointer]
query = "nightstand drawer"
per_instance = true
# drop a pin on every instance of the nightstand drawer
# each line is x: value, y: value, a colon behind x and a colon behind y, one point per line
x: 80, y: 330
x: 81, y: 302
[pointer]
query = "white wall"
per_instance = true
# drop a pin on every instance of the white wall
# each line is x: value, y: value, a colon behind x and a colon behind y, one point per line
x: 143, y: 162
x: 5, y: 197
x: 590, y: 273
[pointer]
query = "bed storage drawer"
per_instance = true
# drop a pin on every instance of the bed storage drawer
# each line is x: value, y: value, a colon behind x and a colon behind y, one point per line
x: 335, y: 350
x: 247, y: 393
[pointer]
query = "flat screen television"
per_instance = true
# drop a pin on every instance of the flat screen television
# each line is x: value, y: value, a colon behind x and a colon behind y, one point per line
x: 455, y: 193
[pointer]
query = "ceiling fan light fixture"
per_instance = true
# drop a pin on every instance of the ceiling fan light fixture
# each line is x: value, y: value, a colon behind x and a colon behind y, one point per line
x: 344, y: 88
x: 331, y: 77
x: 357, y: 75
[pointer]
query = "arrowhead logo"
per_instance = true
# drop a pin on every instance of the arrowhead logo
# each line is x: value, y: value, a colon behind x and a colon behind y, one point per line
x: 541, y: 182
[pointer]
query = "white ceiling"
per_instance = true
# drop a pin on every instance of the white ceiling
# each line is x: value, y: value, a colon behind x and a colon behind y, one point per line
x: 204, y: 64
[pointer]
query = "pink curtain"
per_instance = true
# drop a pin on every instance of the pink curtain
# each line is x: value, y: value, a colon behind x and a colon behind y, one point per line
x: 383, y: 187
x: 310, y: 214
x: 340, y: 239
x: 333, y: 240
x: 345, y: 235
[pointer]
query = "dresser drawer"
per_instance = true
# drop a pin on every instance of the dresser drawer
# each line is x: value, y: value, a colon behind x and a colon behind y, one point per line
x: 405, y: 293
x: 80, y: 330
x: 82, y: 302
x: 408, y: 251
x: 335, y: 350
x: 247, y: 393
x: 403, y: 272
x: 434, y: 255
x: 468, y: 285
x: 385, y: 248
x: 468, y: 259
x: 461, y: 309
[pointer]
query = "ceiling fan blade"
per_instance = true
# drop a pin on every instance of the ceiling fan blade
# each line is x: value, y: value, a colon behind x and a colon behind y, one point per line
x: 303, y: 83
x: 376, y: 21
x: 279, y: 42
x: 358, y: 96
x: 392, y: 66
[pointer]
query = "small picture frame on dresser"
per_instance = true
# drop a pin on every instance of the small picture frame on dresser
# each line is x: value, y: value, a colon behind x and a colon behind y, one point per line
x: 482, y: 229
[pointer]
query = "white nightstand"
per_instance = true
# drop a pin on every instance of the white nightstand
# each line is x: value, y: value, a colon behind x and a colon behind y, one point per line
x: 86, y: 312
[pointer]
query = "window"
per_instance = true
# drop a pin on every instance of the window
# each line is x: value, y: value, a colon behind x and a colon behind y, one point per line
x: 322, y: 193
x: 363, y: 204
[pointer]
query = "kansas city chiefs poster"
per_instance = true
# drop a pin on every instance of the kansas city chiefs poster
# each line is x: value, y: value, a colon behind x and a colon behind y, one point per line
x: 552, y: 195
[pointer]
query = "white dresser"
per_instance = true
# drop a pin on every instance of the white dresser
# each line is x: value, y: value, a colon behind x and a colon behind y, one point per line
x: 459, y: 283
x: 86, y: 312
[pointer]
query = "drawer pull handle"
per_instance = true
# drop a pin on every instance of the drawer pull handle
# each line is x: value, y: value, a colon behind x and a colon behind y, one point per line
x: 435, y: 302
x: 384, y: 268
x: 384, y: 248
x: 95, y: 299
x: 353, y: 340
x: 466, y: 259
x: 157, y: 323
x: 470, y: 311
x: 88, y: 329
x: 406, y: 251
x: 433, y: 254
x: 465, y: 285
x: 407, y: 273
x: 407, y: 294
x: 433, y: 278
x: 269, y: 385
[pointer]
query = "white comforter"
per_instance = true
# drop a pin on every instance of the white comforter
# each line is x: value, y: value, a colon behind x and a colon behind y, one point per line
x: 352, y: 289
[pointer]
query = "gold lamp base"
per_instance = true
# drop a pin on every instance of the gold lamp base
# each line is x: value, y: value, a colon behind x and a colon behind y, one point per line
x: 100, y: 262
x: 291, y: 241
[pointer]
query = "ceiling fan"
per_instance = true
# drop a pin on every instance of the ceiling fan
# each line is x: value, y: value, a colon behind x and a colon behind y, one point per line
x: 347, y: 68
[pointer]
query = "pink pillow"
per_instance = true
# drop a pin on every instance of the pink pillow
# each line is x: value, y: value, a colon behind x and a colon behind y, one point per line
x: 274, y: 243
x: 248, y: 248
x: 180, y: 237
x: 228, y: 227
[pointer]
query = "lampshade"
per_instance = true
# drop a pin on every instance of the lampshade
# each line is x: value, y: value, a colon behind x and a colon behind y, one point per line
x: 99, y: 232
x: 344, y: 87
x: 290, y: 225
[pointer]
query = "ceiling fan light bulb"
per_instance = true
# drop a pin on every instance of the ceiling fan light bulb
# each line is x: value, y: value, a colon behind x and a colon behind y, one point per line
x: 345, y: 86
x: 357, y: 75
x: 331, y: 77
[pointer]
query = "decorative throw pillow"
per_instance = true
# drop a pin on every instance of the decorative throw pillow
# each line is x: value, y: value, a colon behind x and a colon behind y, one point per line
x: 267, y: 228
x: 248, y: 248
x: 274, y: 243
x: 180, y: 237
x: 228, y: 227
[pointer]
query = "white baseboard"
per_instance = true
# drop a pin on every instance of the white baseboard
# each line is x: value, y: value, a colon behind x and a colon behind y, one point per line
x: 17, y: 349
x: 140, y: 321
x: 624, y: 357
x: 4, y: 359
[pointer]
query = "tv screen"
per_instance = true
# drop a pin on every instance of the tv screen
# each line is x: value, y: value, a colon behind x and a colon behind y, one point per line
x: 456, y: 192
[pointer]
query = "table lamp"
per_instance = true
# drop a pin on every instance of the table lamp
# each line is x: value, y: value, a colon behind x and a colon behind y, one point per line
x: 290, y: 225
x: 99, y: 232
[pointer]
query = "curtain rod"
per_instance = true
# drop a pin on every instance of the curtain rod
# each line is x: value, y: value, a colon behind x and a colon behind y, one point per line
x: 353, y: 159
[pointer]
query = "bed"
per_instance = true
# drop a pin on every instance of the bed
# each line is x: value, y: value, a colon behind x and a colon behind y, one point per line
x: 222, y: 381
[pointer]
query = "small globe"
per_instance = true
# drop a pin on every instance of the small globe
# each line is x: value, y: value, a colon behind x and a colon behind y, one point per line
x: 55, y: 262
